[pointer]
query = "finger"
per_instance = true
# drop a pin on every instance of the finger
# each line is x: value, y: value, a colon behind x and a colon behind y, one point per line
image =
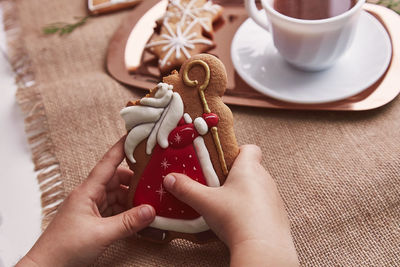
x: 118, y: 196
x: 105, y: 168
x: 129, y: 222
x: 113, y: 210
x: 122, y: 176
x: 245, y: 164
x: 107, y: 212
x: 248, y: 156
x: 191, y: 192
x: 250, y: 153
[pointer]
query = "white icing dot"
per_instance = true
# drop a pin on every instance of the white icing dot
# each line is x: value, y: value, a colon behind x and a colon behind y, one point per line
x: 187, y: 118
x: 183, y: 165
x: 194, y: 168
x: 148, y: 186
x: 169, y: 209
x: 192, y: 135
x: 190, y: 156
x: 200, y: 125
x: 176, y: 158
x: 182, y: 211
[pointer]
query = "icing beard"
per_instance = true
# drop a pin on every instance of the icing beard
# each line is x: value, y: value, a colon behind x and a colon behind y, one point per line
x: 154, y: 118
x: 175, y: 144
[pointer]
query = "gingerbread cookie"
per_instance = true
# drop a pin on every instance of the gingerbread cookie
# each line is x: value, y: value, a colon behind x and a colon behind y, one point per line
x: 176, y: 43
x: 181, y: 126
x: 181, y: 32
x: 105, y: 6
x: 186, y: 11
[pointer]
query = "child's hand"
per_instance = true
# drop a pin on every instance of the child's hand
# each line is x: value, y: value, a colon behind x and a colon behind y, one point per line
x: 81, y: 229
x: 247, y: 212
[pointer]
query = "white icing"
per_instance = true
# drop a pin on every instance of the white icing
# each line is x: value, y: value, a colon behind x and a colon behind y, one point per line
x: 187, y: 118
x: 152, y: 111
x: 157, y: 102
x: 152, y: 140
x: 177, y: 41
x: 144, y: 28
x: 162, y: 89
x: 93, y: 7
x: 135, y: 136
x: 190, y: 10
x: 118, y: 1
x: 185, y: 226
x: 164, y: 111
x: 210, y: 7
x: 200, y: 125
x: 172, y: 117
x: 135, y: 115
x: 205, y: 162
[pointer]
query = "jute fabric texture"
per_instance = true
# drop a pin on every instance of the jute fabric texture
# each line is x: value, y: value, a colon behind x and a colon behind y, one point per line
x: 338, y: 172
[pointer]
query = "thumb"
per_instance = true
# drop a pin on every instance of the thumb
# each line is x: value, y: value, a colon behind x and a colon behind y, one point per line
x: 129, y: 222
x: 191, y: 192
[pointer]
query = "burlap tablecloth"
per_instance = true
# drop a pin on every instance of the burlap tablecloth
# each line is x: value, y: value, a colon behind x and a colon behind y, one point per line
x: 338, y: 172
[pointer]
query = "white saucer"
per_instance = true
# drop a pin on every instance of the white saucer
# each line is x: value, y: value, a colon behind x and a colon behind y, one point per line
x: 258, y: 63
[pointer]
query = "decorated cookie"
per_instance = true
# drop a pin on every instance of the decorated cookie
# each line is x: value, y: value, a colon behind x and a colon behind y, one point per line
x: 104, y: 6
x: 186, y: 11
x: 181, y: 126
x: 176, y: 43
x: 185, y: 30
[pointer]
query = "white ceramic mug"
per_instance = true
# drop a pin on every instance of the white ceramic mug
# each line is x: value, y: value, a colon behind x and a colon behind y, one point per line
x: 311, y: 45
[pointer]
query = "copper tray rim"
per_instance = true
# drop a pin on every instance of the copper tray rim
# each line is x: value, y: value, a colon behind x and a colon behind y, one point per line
x: 377, y: 95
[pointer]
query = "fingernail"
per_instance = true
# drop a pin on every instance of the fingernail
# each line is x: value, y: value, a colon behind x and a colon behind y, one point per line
x: 145, y: 213
x: 169, y: 181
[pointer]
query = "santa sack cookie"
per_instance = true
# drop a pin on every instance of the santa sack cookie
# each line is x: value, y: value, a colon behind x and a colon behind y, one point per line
x: 181, y: 126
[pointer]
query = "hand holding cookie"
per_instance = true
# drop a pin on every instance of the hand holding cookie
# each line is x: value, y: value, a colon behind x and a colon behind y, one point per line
x: 93, y: 216
x: 247, y: 212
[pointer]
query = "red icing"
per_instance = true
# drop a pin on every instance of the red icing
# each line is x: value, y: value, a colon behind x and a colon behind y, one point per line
x: 180, y: 156
x: 211, y: 119
x: 181, y: 122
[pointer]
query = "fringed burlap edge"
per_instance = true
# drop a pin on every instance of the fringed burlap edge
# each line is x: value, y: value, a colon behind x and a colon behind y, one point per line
x: 36, y: 127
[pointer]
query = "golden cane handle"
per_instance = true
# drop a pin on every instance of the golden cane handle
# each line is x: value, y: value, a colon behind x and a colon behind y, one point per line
x: 193, y: 83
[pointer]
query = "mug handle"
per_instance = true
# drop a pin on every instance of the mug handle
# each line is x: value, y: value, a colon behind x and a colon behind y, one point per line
x: 254, y: 13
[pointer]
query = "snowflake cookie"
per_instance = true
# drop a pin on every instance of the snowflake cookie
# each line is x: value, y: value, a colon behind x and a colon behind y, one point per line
x: 176, y: 43
x: 185, y: 11
x: 181, y: 126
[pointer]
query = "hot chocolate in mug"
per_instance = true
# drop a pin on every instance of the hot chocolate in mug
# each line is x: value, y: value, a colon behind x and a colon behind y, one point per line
x: 309, y: 34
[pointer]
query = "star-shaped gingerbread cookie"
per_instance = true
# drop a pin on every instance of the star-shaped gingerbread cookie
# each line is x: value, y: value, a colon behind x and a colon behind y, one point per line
x: 186, y: 11
x: 176, y: 43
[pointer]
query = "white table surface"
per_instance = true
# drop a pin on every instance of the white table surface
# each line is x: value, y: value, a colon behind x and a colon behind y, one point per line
x: 20, y: 211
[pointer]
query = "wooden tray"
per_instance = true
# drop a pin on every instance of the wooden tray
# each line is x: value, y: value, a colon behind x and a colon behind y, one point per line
x: 238, y: 92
